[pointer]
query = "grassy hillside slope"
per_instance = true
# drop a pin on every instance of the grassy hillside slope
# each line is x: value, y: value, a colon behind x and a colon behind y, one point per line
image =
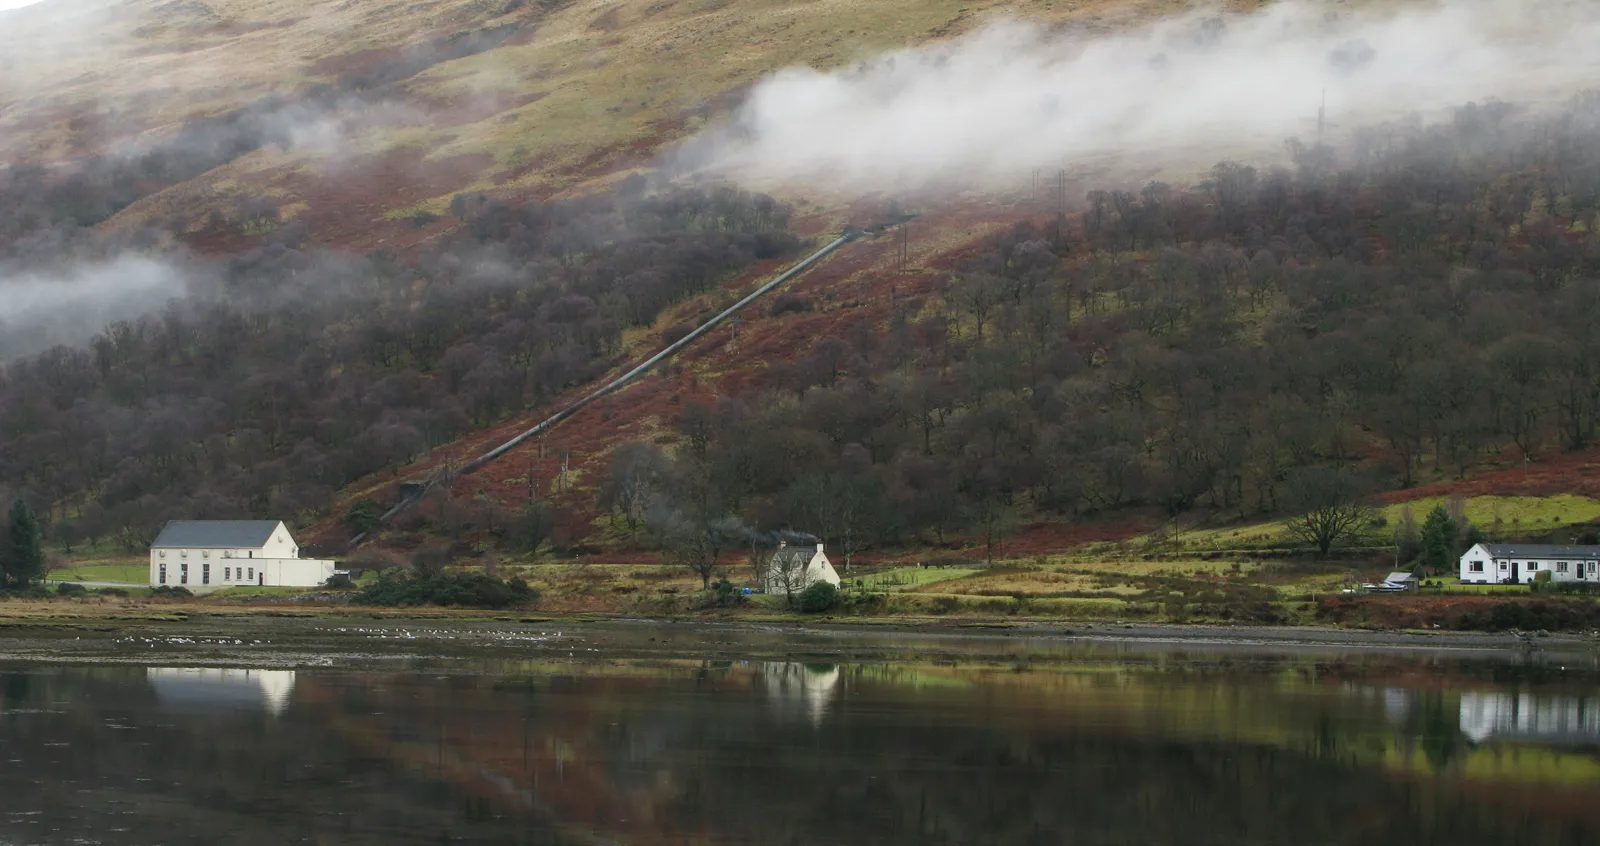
x: 556, y: 96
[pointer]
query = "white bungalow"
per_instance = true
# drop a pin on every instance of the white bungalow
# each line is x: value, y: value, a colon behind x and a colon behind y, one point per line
x: 795, y: 568
x: 219, y: 553
x: 1494, y: 563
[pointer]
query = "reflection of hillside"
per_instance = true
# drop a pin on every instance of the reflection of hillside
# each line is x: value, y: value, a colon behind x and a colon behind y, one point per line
x: 197, y: 688
x: 102, y: 755
x: 733, y: 755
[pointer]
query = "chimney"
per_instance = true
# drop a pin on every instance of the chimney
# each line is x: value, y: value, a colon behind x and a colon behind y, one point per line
x: 819, y: 547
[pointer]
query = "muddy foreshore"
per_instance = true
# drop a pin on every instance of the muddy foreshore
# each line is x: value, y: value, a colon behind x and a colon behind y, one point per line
x: 224, y: 636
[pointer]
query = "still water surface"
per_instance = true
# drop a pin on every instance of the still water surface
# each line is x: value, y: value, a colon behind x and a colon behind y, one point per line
x: 1097, y: 745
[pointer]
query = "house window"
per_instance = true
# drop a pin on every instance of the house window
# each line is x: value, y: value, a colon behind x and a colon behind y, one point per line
x: 1475, y: 566
x: 183, y: 573
x: 1502, y: 565
x: 205, y: 573
x: 1561, y: 566
x: 1591, y: 566
x: 227, y: 574
x: 163, y: 579
x: 1533, y: 565
x: 252, y: 573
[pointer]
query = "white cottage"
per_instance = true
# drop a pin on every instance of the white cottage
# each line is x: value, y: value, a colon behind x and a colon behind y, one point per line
x: 232, y: 552
x: 1494, y: 563
x: 794, y: 568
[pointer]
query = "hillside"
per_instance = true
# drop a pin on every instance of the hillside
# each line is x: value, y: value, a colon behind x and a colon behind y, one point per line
x: 359, y: 118
x: 278, y: 258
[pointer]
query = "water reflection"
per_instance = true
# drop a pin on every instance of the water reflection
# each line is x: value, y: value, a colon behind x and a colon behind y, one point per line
x: 1573, y: 720
x: 1124, y: 750
x: 214, y: 688
x: 800, y: 689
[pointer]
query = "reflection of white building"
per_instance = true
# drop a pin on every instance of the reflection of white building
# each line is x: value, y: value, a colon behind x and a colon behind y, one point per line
x: 799, y: 688
x: 1524, y: 716
x: 204, y: 688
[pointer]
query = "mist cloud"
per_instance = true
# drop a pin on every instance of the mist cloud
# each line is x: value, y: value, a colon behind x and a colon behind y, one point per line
x: 40, y: 309
x: 1014, y: 97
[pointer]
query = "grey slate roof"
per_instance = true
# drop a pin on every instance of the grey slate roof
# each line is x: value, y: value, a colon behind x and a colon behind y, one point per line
x: 1542, y: 550
x: 1399, y: 578
x: 791, y: 558
x: 215, y: 534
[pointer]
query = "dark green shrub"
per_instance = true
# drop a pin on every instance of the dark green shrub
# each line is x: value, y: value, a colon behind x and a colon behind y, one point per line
x: 110, y: 591
x: 476, y: 590
x: 177, y: 591
x: 361, y: 516
x: 71, y: 589
x: 819, y: 597
x: 340, y: 581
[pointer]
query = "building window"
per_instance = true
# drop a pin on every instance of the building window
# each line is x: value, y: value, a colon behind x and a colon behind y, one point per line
x: 1533, y: 565
x: 205, y: 573
x: 163, y: 578
x: 1591, y: 566
x: 183, y: 573
x: 1502, y: 565
x: 1475, y: 566
x: 227, y: 574
x: 252, y: 573
x: 1561, y: 566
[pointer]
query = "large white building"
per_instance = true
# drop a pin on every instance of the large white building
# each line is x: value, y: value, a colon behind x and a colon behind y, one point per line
x: 1519, y: 563
x: 218, y: 553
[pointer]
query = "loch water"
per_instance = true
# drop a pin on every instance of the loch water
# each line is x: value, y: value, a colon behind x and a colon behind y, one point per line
x: 708, y: 741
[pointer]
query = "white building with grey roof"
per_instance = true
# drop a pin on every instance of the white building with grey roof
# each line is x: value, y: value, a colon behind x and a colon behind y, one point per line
x: 1520, y: 563
x: 222, y: 553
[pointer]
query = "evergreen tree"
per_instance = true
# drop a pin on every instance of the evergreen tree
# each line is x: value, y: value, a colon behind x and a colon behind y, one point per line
x: 21, y: 548
x: 1438, y: 540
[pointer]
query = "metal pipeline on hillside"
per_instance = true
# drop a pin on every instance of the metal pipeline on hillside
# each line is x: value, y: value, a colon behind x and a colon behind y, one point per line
x: 416, y: 490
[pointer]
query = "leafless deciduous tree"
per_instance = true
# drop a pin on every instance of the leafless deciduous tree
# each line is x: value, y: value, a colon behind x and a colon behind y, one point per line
x: 1328, y: 506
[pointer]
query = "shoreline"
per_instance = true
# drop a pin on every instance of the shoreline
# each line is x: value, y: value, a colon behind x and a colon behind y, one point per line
x: 308, y: 635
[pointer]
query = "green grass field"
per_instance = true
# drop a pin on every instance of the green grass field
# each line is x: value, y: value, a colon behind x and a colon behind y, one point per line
x: 1495, y: 515
x: 128, y: 574
x: 906, y: 578
x: 1528, y: 512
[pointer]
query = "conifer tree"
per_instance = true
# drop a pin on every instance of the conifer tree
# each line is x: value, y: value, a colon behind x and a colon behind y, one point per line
x: 1438, y: 540
x: 21, y: 549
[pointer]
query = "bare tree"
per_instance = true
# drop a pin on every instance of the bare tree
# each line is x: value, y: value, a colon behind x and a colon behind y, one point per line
x: 786, y: 571
x: 1328, y: 506
x: 632, y: 482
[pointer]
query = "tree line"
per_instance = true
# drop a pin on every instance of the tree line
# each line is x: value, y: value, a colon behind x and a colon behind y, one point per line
x: 290, y: 372
x: 1408, y: 308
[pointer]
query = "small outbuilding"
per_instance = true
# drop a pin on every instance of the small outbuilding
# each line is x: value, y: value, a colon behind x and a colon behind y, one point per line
x: 1400, y: 581
x: 792, y: 569
x: 219, y: 553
